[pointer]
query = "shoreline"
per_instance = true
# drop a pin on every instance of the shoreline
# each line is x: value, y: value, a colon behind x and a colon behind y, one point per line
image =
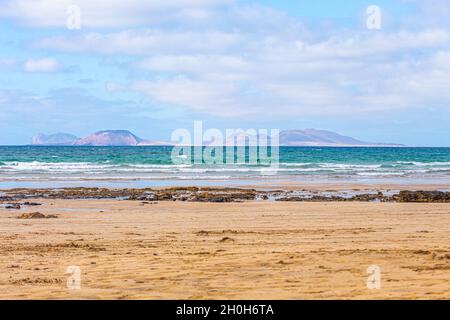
x: 278, y: 182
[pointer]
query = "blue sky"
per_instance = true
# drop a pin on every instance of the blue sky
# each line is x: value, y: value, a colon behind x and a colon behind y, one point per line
x: 155, y: 66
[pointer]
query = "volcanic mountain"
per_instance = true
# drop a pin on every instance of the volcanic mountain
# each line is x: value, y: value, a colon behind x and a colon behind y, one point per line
x: 101, y: 138
x: 290, y: 138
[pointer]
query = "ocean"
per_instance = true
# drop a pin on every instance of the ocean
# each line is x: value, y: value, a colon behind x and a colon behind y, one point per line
x: 30, y: 166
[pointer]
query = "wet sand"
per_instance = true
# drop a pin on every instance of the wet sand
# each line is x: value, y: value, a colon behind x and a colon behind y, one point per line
x: 249, y: 250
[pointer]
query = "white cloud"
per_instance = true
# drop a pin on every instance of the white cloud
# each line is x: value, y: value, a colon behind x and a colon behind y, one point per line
x: 194, y: 63
x: 42, y: 65
x: 251, y: 60
x: 276, y: 77
x: 373, y: 44
x: 199, y: 96
x: 441, y: 60
x: 108, y: 13
x: 142, y: 42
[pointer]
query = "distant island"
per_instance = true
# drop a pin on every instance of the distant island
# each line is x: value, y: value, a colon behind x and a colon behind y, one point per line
x: 291, y: 138
x: 57, y: 139
x: 101, y: 138
x: 324, y: 138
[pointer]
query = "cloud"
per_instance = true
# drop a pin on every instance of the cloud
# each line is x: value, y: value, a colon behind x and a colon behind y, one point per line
x: 6, y: 63
x: 254, y: 61
x: 108, y: 13
x: 279, y: 77
x: 142, y: 42
x: 271, y: 64
x: 45, y: 65
x: 199, y: 96
x: 372, y: 44
x: 194, y: 63
x: 441, y: 60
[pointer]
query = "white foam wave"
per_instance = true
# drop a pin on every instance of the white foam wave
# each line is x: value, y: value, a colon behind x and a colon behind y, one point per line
x: 424, y: 164
x: 187, y: 171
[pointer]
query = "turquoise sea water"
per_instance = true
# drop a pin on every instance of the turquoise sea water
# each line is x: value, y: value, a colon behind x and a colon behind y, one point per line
x: 27, y: 163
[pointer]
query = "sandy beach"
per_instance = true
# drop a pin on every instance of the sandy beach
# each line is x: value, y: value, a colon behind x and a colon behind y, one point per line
x: 240, y: 250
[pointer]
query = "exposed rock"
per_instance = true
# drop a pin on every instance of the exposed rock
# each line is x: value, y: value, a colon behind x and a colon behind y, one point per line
x: 209, y: 194
x: 423, y: 196
x: 15, y: 206
x: 202, y: 233
x: 7, y: 198
x: 36, y: 215
x: 369, y: 197
x: 18, y: 206
x: 226, y: 240
x: 31, y: 204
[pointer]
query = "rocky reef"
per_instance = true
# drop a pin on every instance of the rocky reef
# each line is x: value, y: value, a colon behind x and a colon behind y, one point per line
x: 196, y: 194
x: 423, y: 196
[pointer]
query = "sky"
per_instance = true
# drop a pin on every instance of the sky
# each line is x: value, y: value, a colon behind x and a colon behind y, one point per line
x: 153, y: 66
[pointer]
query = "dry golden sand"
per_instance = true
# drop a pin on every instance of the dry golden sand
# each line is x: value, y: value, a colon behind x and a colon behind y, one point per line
x: 251, y: 250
